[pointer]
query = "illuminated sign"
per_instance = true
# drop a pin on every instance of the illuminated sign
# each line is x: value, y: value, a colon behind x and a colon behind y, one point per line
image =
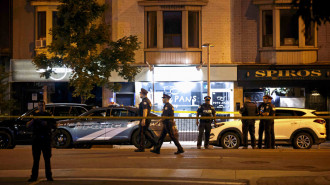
x: 278, y: 72
x: 59, y: 73
x: 288, y: 73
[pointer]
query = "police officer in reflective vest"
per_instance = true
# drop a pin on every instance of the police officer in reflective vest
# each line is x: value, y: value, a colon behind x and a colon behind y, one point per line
x: 168, y: 124
x: 248, y: 125
x: 267, y: 109
x: 205, y: 110
x: 144, y: 111
x: 41, y: 141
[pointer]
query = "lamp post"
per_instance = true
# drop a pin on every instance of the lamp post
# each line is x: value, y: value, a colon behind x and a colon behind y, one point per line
x: 208, y: 45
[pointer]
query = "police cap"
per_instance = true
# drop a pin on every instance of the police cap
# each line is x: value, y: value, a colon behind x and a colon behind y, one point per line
x: 166, y: 96
x: 207, y: 98
x: 268, y: 97
x: 143, y: 91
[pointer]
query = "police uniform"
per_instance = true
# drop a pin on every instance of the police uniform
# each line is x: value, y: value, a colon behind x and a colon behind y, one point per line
x: 168, y: 111
x: 41, y: 142
x: 267, y: 125
x: 145, y: 104
x: 205, y: 110
x: 248, y: 125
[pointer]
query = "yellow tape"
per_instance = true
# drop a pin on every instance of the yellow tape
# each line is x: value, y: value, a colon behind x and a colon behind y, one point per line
x: 194, y: 112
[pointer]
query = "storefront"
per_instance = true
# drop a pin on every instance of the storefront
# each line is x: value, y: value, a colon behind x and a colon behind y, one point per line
x: 303, y: 86
x: 28, y: 87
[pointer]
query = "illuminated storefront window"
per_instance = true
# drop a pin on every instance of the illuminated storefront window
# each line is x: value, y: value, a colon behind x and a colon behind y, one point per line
x: 187, y: 96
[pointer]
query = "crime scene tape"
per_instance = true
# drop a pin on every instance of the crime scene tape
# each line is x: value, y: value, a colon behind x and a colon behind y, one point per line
x: 194, y: 112
x: 154, y: 117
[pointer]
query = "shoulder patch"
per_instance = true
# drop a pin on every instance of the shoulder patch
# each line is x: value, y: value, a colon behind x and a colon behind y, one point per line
x: 173, y: 108
x: 145, y: 103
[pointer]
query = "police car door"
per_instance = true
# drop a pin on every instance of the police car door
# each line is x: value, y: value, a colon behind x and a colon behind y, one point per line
x: 116, y: 127
x: 93, y: 128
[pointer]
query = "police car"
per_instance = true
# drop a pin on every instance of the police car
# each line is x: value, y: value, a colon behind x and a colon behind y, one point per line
x: 88, y: 131
x: 299, y: 133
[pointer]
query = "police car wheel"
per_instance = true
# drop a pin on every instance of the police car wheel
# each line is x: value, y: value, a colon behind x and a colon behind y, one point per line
x: 62, y: 139
x: 230, y: 140
x: 302, y: 141
x: 5, y: 140
x: 136, y: 140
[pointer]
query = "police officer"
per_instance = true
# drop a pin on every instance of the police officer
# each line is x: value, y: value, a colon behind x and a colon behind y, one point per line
x: 248, y: 125
x: 144, y: 111
x: 168, y: 111
x: 267, y: 125
x: 41, y: 141
x: 205, y: 110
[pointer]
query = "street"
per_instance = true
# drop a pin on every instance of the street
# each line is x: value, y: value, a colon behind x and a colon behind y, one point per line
x: 121, y: 165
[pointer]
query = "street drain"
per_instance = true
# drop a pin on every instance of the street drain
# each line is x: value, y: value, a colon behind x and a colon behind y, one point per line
x: 254, y: 162
x: 300, y: 167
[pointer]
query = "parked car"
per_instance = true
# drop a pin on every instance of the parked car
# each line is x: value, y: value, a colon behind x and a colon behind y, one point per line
x: 299, y: 133
x: 14, y: 131
x: 89, y: 131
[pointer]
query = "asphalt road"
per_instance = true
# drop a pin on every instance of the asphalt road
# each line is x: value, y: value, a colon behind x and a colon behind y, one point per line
x: 217, y: 166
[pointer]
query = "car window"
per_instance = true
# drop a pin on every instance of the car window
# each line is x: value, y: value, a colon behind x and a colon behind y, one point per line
x: 299, y: 113
x: 284, y: 113
x: 103, y: 113
x: 81, y: 110
x: 62, y: 111
x: 121, y: 112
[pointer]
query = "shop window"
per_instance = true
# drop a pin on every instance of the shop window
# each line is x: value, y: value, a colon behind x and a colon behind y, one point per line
x: 152, y: 29
x: 310, y: 34
x: 41, y: 25
x: 267, y: 28
x: 172, y: 22
x: 193, y: 29
x: 289, y: 28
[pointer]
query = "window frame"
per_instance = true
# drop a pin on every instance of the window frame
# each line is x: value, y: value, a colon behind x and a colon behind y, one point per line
x: 276, y: 30
x: 160, y: 27
x: 49, y: 9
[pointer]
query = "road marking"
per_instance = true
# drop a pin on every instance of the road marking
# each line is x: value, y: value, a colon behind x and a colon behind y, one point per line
x: 176, y: 157
x: 154, y: 180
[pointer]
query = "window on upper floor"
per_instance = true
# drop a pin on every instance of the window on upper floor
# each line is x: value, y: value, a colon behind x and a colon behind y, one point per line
x: 283, y: 28
x: 45, y: 19
x: 172, y: 34
x: 41, y: 23
x: 152, y: 29
x: 289, y: 28
x: 267, y: 28
x: 172, y: 29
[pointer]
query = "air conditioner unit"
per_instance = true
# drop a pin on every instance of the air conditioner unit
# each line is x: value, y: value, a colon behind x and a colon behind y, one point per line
x: 40, y: 43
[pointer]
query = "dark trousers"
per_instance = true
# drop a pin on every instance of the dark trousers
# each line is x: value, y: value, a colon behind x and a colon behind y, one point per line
x: 261, y: 132
x: 168, y: 129
x: 44, y: 147
x: 269, y: 134
x: 248, y: 126
x: 207, y: 128
x: 145, y: 134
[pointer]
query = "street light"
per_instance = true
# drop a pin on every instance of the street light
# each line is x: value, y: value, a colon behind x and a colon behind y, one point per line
x: 208, y: 45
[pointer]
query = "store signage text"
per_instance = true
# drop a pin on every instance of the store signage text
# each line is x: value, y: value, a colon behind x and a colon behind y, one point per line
x: 288, y: 73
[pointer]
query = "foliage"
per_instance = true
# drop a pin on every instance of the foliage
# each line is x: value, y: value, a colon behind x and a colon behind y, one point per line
x: 81, y: 42
x: 313, y: 11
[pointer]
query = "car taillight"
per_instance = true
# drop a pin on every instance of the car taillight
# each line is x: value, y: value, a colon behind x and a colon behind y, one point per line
x: 320, y: 121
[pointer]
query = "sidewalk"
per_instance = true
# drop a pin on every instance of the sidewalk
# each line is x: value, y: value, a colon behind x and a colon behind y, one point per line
x: 181, y: 176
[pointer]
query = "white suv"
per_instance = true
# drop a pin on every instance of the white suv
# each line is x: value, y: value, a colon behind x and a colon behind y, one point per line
x: 300, y: 133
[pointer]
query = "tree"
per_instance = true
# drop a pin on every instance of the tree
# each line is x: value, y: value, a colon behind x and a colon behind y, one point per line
x: 6, y: 105
x: 316, y: 11
x: 81, y: 42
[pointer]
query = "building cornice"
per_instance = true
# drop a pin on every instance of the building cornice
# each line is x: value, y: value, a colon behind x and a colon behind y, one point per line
x: 45, y: 3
